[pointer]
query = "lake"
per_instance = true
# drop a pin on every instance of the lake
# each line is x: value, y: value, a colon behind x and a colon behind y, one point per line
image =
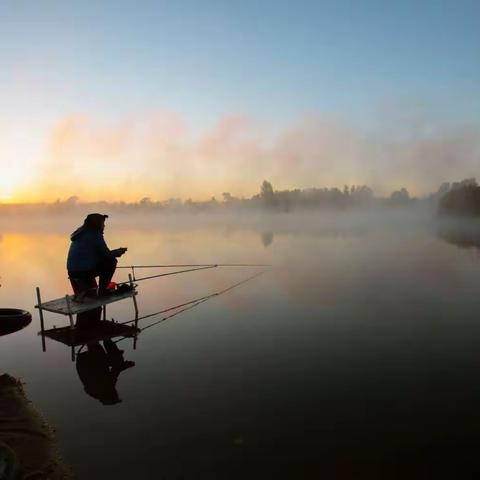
x: 356, y: 355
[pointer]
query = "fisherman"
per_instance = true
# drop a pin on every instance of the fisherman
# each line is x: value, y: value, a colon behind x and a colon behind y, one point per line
x: 89, y: 257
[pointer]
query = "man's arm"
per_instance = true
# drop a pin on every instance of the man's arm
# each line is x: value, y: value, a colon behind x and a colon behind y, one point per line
x: 101, y: 247
x: 103, y: 250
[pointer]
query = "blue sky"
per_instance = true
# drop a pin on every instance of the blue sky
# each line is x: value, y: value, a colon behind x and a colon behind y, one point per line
x: 272, y: 60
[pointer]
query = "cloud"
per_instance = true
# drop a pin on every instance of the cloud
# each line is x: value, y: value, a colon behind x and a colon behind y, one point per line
x: 157, y: 155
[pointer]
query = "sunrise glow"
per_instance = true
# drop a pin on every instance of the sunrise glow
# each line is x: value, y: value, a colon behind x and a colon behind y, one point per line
x: 165, y: 106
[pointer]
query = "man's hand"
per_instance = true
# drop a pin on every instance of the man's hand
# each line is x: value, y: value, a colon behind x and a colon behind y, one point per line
x: 118, y: 252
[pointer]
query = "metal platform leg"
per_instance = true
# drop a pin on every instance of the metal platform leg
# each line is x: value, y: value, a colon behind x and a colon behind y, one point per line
x: 42, y: 323
x: 130, y: 279
x: 104, y: 310
x: 67, y: 299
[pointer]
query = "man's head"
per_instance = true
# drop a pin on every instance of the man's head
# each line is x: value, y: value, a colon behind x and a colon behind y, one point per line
x: 95, y: 221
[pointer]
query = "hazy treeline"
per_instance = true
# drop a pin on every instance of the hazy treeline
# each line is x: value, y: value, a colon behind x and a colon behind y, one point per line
x: 460, y: 198
x: 452, y: 198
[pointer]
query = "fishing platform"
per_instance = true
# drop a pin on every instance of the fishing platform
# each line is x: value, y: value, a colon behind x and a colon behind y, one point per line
x: 72, y: 335
x: 68, y: 306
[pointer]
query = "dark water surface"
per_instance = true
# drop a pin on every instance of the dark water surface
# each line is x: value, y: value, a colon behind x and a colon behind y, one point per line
x: 357, y: 356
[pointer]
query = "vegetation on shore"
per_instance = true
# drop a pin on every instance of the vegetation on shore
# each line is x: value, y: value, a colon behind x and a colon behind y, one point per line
x: 457, y: 198
x: 460, y: 199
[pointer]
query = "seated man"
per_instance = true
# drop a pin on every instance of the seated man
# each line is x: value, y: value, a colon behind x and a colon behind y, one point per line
x: 89, y: 257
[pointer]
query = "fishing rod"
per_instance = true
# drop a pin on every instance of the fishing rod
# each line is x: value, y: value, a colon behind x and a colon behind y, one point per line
x: 171, y: 273
x: 134, y: 279
x: 181, y: 265
x: 204, y: 266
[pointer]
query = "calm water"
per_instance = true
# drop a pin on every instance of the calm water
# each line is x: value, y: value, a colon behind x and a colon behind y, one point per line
x: 357, y: 355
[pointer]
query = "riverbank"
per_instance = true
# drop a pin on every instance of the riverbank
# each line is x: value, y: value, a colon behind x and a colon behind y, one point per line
x: 27, y: 444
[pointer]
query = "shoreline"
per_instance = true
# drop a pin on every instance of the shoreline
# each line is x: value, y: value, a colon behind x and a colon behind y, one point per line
x: 28, y: 447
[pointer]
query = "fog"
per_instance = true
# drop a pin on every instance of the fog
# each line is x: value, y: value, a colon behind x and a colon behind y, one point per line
x: 157, y: 155
x: 401, y: 222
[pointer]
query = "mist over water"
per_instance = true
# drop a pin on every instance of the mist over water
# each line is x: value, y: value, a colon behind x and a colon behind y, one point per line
x: 356, y: 352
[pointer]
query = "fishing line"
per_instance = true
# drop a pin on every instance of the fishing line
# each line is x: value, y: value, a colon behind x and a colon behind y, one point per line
x: 204, y: 299
x: 166, y: 310
x: 189, y: 305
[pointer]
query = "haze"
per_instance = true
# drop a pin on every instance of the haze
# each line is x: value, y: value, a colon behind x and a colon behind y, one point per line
x: 120, y: 100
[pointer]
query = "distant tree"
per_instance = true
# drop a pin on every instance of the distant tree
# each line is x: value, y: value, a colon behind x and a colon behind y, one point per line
x: 71, y: 201
x: 466, y: 183
x: 400, y: 197
x: 227, y: 197
x: 267, y: 194
x: 173, y: 203
x: 65, y: 205
x: 362, y: 194
x: 462, y: 199
x: 443, y: 188
x: 266, y: 189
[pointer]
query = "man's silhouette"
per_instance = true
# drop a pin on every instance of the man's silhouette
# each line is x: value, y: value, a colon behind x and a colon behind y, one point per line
x: 89, y: 257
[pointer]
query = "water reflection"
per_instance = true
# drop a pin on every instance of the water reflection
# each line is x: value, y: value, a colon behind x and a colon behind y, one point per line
x: 359, y: 350
x: 462, y: 234
x: 99, y: 368
x: 267, y: 238
x: 99, y: 361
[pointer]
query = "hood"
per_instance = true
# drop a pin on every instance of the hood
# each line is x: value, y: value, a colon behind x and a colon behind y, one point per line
x: 77, y: 232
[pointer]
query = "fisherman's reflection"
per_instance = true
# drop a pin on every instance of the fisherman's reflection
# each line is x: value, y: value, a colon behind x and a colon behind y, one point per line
x: 267, y: 238
x: 100, y: 366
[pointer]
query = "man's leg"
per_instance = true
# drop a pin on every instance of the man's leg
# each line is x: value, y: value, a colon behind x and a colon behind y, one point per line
x: 105, y: 271
x: 82, y: 283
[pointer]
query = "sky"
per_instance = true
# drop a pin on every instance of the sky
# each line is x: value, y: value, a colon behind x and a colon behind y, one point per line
x: 121, y: 99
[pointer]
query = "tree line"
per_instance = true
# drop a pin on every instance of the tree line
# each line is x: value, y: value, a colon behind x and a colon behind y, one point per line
x: 457, y: 198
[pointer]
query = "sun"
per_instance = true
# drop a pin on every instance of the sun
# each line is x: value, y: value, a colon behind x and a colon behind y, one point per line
x: 10, y: 180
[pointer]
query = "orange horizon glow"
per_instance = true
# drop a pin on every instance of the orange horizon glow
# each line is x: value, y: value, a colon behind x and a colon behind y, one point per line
x: 112, y: 196
x: 156, y: 156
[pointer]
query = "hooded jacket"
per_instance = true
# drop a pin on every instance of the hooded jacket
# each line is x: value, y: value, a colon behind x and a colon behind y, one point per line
x: 88, y: 249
